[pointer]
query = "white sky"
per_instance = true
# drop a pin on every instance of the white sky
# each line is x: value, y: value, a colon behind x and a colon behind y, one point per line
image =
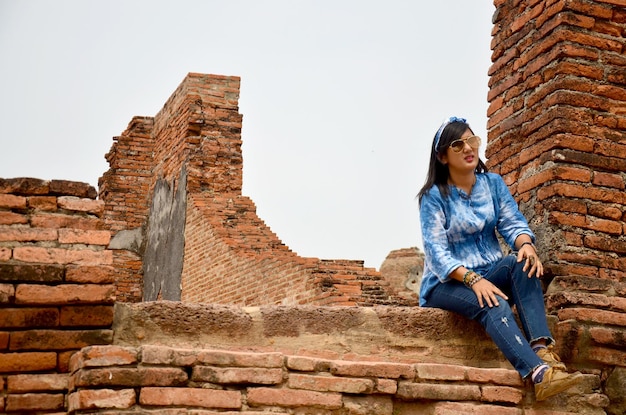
x: 340, y: 99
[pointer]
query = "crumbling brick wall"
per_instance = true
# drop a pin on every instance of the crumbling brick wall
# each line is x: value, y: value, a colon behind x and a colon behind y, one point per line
x: 557, y: 133
x: 56, y: 288
x: 187, y: 195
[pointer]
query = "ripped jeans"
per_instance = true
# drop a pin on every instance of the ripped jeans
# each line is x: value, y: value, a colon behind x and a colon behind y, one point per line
x: 500, y: 322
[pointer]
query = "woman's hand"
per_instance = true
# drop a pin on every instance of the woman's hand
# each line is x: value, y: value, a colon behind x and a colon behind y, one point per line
x: 487, y: 291
x: 533, y: 264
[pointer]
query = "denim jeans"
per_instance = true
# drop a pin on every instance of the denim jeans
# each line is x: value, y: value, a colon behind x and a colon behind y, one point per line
x: 500, y: 322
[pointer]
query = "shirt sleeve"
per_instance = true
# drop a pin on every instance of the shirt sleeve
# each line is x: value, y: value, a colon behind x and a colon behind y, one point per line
x: 511, y: 222
x: 433, y: 223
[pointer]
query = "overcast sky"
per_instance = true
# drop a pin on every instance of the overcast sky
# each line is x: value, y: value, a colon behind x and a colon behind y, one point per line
x: 340, y: 99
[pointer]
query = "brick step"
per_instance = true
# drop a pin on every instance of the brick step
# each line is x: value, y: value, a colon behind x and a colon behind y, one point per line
x: 154, y: 376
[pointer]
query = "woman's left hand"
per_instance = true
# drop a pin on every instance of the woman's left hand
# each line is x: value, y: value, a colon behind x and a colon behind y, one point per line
x: 533, y: 264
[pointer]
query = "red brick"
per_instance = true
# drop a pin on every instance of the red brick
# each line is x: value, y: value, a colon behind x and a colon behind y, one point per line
x: 37, y: 382
x: 386, y: 386
x: 457, y: 408
x: 609, y: 336
x: 90, y: 274
x: 76, y: 204
x: 24, y: 185
x: 304, y: 364
x: 116, y: 376
x: 506, y: 377
x: 203, y: 398
x: 58, y: 221
x: 86, y: 316
x: 7, y: 293
x: 435, y: 371
x: 367, y: 369
x: 12, y: 201
x: 19, y: 272
x: 102, y: 356
x: 62, y: 256
x: 4, y: 340
x: 43, y: 203
x: 331, y: 384
x: 605, y: 244
x: 101, y: 399
x: 13, y: 234
x: 438, y: 391
x: 501, y: 394
x: 5, y: 253
x: 603, y: 211
x: 595, y: 316
x: 58, y: 339
x: 79, y: 236
x: 27, y: 361
x: 35, y: 402
x: 609, y: 180
x: 293, y: 398
x: 241, y: 359
x: 29, y: 317
x: 161, y: 355
x: 10, y: 218
x: 63, y: 361
x: 64, y: 294
x: 604, y: 355
x: 237, y: 375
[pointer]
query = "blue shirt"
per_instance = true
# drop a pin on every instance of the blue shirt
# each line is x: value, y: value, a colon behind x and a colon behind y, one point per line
x: 460, y: 230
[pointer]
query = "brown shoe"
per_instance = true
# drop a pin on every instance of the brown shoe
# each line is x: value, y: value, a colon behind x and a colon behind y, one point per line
x: 555, y: 381
x: 552, y: 359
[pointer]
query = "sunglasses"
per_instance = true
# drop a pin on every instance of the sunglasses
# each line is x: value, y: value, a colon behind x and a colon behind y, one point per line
x: 458, y: 145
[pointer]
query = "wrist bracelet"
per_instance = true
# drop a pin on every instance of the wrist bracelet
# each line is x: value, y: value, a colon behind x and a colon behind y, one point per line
x: 475, y: 280
x: 467, y: 274
x: 528, y: 243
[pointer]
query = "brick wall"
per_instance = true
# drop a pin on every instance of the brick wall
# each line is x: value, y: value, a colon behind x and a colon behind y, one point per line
x: 557, y: 122
x: 56, y: 288
x: 557, y: 133
x: 305, y: 360
x: 124, y: 189
x: 230, y: 255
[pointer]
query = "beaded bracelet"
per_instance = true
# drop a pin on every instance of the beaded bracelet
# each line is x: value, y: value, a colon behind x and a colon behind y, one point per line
x: 475, y: 280
x: 467, y: 274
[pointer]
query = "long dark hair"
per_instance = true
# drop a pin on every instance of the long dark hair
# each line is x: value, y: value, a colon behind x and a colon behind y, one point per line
x: 438, y: 172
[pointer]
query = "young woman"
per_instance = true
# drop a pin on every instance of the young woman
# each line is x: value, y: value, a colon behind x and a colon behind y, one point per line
x: 465, y: 271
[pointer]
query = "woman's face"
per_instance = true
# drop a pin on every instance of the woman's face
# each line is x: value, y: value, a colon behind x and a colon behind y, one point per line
x: 462, y: 156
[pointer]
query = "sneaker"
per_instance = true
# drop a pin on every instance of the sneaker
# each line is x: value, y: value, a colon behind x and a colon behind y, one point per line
x: 547, y: 355
x: 555, y: 381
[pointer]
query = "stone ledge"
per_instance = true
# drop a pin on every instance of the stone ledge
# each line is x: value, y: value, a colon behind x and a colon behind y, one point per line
x: 393, y: 334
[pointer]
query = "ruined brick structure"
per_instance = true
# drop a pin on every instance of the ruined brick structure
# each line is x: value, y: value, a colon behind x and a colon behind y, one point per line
x: 189, y: 168
x: 168, y: 295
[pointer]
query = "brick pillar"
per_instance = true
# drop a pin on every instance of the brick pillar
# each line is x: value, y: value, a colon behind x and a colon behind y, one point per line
x: 124, y: 188
x: 557, y: 125
x: 557, y: 134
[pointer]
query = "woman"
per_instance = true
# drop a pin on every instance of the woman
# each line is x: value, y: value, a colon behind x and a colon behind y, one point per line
x: 465, y: 271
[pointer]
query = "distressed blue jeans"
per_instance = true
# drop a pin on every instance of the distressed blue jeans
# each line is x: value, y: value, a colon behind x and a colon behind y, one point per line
x: 499, y: 322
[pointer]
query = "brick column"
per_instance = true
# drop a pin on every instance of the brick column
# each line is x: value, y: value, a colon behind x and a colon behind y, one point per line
x: 557, y: 134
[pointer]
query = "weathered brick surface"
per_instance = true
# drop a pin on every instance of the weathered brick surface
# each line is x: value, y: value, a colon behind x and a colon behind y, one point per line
x: 35, y: 402
x: 50, y: 230
x: 556, y: 129
x: 203, y: 398
x: 27, y: 362
x: 37, y: 382
x: 101, y: 399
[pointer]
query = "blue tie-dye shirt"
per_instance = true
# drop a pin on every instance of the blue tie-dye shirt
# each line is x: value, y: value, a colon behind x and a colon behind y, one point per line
x: 460, y: 230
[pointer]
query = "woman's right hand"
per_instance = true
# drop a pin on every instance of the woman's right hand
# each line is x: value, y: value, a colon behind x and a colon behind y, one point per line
x: 486, y: 292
